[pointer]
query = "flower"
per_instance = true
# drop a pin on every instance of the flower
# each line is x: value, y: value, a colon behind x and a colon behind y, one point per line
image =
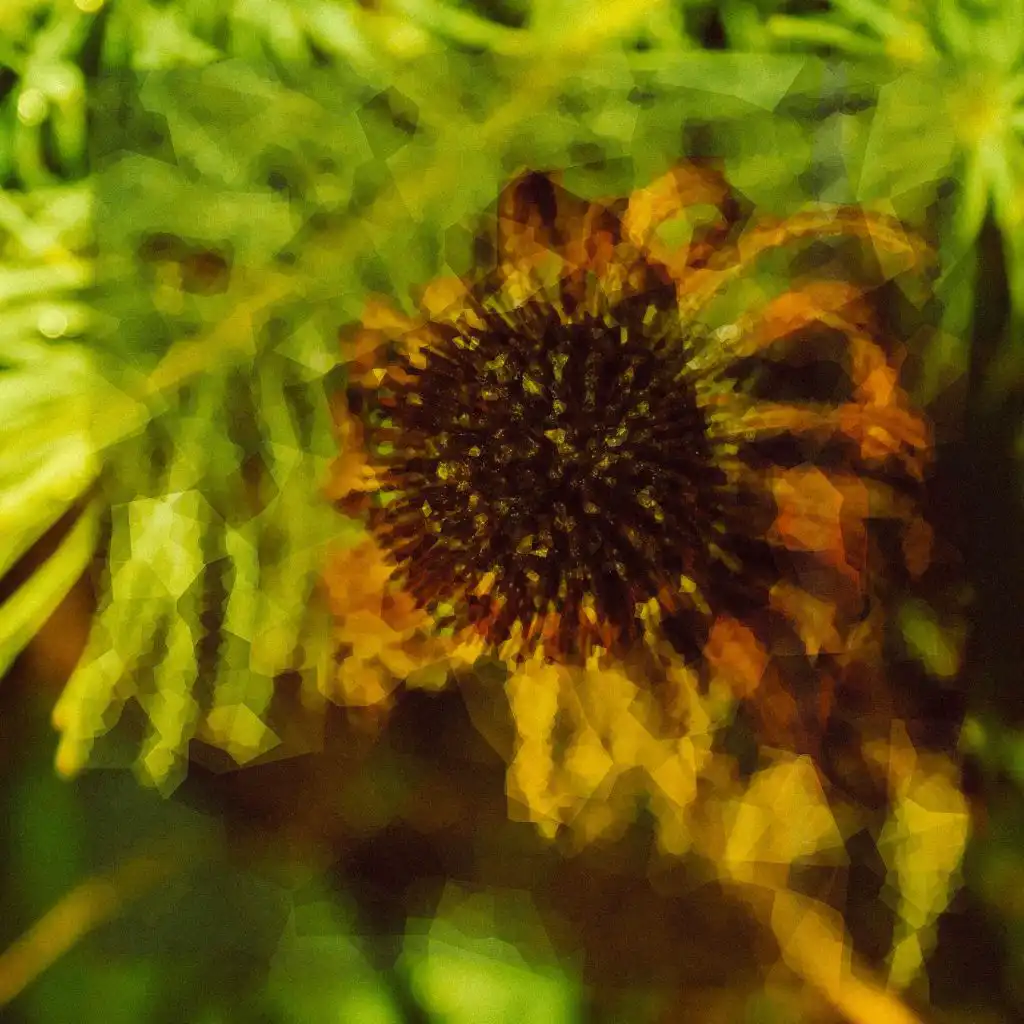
x: 611, y: 463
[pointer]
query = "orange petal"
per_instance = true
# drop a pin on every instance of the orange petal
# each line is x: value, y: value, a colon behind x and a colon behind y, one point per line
x: 361, y: 349
x: 813, y: 619
x: 918, y: 539
x: 886, y: 431
x: 736, y: 655
x: 364, y: 346
x: 797, y: 308
x: 549, y: 240
x: 881, y: 432
x: 380, y: 315
x: 886, y: 234
x: 448, y: 300
x: 360, y: 579
x: 535, y: 213
x: 353, y: 478
x: 873, y: 374
x: 361, y: 684
x: 666, y: 199
x: 823, y: 515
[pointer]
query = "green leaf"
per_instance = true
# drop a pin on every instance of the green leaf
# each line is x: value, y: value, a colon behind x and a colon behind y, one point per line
x: 912, y: 140
x: 926, y: 639
x: 759, y: 79
x: 25, y: 612
x: 485, y: 956
x: 320, y: 972
x: 195, y: 547
x: 90, y: 990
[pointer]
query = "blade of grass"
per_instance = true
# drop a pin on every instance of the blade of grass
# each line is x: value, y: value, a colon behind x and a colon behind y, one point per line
x: 37, y: 598
x: 85, y: 908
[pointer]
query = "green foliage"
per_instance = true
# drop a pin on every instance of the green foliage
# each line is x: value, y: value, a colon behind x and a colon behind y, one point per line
x: 49, y: 391
x: 467, y: 965
x: 196, y: 195
x: 951, y: 77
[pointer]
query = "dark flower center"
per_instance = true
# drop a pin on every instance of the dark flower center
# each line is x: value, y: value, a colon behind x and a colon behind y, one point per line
x: 536, y: 469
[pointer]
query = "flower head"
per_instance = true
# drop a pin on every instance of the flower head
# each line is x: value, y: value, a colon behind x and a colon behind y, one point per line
x: 601, y: 455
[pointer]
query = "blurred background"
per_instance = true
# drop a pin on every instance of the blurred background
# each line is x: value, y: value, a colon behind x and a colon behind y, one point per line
x: 195, y: 195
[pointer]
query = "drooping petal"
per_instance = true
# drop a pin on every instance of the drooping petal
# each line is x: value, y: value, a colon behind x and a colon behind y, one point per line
x: 552, y: 243
x: 353, y: 478
x: 880, y: 433
x: 381, y: 635
x: 755, y: 332
x: 736, y: 656
x: 824, y: 514
x: 903, y: 252
x: 680, y: 217
x: 813, y: 617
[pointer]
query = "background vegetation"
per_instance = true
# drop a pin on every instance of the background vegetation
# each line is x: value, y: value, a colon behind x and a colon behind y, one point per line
x: 194, y: 196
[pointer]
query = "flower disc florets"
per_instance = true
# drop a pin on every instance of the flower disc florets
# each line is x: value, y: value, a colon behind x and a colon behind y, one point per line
x: 549, y: 473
